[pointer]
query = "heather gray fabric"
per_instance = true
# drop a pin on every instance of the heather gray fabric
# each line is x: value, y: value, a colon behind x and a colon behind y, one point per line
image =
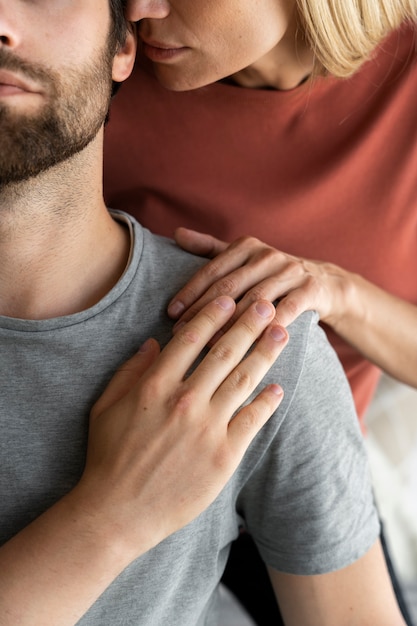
x: 302, y: 490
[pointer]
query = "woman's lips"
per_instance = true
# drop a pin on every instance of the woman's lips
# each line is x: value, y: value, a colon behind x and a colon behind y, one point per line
x: 157, y: 51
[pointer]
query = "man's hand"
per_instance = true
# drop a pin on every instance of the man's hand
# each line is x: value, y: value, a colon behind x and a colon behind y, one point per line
x: 162, y: 442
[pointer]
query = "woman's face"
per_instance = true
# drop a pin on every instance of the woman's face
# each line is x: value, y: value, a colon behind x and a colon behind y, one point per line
x: 196, y: 42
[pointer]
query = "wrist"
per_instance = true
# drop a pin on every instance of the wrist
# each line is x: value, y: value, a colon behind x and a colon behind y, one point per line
x: 351, y: 307
x: 97, y: 529
x: 347, y: 306
x: 111, y: 526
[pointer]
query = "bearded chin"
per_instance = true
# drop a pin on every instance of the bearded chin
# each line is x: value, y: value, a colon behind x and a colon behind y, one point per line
x: 76, y: 108
x: 33, y: 144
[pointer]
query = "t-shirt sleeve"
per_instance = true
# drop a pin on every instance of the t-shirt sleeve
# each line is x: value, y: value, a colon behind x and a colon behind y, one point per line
x: 309, y: 502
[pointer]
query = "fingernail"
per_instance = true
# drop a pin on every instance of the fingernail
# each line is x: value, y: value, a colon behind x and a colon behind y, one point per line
x: 176, y: 308
x: 263, y: 309
x: 277, y: 390
x: 145, y: 346
x: 278, y: 333
x: 225, y: 303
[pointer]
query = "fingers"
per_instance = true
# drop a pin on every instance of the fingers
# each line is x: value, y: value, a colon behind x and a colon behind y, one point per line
x: 207, y: 283
x: 269, y: 274
x: 269, y: 290
x: 246, y: 267
x: 293, y: 303
x: 201, y: 244
x: 294, y: 296
x: 222, y: 365
x: 127, y: 376
x: 181, y: 352
x: 249, y: 373
x: 291, y: 306
x: 251, y: 418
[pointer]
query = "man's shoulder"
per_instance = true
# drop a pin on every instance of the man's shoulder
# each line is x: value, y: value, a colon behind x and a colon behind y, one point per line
x: 305, y: 336
x: 156, y: 261
x: 309, y: 366
x: 165, y: 255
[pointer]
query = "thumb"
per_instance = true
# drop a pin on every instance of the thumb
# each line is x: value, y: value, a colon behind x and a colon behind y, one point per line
x: 127, y: 376
x: 199, y: 243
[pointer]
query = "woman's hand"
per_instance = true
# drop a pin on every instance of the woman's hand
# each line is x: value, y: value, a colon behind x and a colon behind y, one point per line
x: 379, y: 325
x: 248, y: 270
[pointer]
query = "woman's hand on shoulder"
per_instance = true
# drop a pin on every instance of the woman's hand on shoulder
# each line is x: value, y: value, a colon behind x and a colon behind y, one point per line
x: 248, y: 270
x: 379, y: 325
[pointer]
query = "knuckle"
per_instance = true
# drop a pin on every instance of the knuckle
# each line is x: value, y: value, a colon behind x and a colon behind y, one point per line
x: 250, y: 327
x: 252, y: 242
x: 258, y: 250
x: 294, y: 267
x: 292, y: 306
x: 241, y: 380
x: 182, y: 402
x: 248, y: 241
x: 248, y: 422
x: 188, y: 335
x: 312, y: 283
x: 222, y: 352
x: 268, y: 256
x: 189, y: 293
x: 226, y: 286
x: 212, y: 271
x: 257, y: 293
x: 251, y: 246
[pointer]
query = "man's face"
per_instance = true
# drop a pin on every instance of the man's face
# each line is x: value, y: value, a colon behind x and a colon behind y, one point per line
x: 56, y: 62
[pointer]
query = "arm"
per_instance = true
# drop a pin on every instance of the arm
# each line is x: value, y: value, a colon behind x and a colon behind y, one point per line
x: 357, y: 595
x: 318, y: 520
x: 154, y: 431
x: 379, y: 325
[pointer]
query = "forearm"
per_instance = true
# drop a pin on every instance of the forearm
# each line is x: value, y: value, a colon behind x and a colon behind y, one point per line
x: 56, y: 568
x: 380, y: 326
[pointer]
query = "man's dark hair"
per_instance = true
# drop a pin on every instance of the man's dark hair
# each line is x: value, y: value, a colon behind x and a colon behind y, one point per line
x: 118, y: 30
x: 119, y: 23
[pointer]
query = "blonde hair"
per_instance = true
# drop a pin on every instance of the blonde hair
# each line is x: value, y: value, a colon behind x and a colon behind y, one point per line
x: 344, y: 33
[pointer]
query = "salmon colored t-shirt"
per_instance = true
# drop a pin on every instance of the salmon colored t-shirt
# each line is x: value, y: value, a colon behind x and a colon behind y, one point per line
x: 326, y: 171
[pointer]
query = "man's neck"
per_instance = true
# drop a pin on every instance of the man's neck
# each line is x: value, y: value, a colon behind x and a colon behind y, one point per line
x: 60, y: 250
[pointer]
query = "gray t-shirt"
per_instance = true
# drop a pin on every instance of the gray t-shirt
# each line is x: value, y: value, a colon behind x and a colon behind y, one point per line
x: 302, y: 489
